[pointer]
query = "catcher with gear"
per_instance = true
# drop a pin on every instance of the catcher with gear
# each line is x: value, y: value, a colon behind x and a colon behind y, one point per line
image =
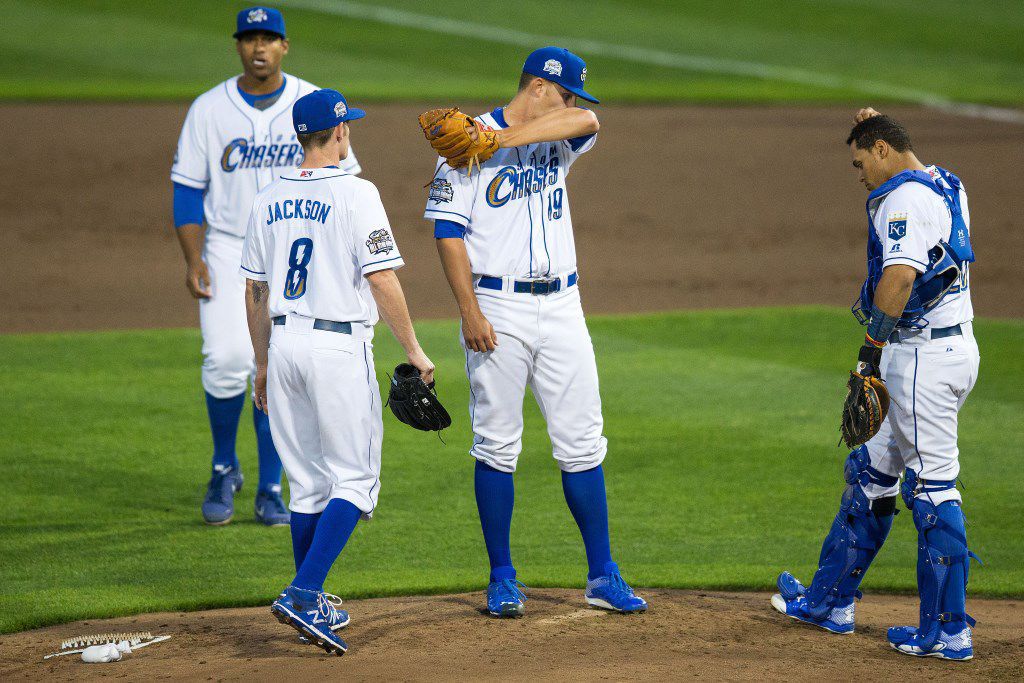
x: 415, y: 402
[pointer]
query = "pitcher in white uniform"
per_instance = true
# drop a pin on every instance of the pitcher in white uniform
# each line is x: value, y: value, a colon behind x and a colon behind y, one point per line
x: 916, y: 303
x: 319, y: 262
x: 505, y: 240
x: 236, y: 140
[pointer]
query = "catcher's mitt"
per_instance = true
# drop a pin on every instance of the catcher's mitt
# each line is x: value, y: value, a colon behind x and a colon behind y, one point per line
x: 867, y: 403
x: 449, y: 133
x: 414, y: 402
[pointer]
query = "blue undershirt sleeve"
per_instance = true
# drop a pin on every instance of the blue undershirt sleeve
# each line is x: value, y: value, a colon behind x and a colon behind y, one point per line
x: 188, y: 205
x: 444, y: 229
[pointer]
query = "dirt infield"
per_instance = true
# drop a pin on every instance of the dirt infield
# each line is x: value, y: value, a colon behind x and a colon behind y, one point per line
x: 676, y: 207
x: 685, y: 635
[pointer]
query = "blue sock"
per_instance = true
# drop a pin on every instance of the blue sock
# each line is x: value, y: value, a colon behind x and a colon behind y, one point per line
x: 270, y: 461
x: 303, y: 528
x: 224, y: 414
x: 585, y: 494
x: 332, y: 531
x: 495, y: 497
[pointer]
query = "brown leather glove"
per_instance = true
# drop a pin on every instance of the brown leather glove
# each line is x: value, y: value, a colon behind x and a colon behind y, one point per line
x: 449, y: 132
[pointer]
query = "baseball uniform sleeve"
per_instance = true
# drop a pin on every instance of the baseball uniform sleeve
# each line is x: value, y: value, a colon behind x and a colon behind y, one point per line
x: 191, y: 166
x: 372, y: 241
x: 253, y: 249
x: 450, y: 196
x: 910, y: 228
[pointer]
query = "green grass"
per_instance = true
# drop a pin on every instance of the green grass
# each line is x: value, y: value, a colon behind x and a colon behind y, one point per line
x: 722, y: 470
x: 146, y: 49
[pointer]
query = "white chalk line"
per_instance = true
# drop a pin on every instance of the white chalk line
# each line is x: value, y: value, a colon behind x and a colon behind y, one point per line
x: 698, y: 63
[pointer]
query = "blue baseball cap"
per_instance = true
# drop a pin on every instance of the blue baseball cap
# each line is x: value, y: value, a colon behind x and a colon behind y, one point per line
x: 260, y: 19
x: 322, y: 109
x: 558, y: 65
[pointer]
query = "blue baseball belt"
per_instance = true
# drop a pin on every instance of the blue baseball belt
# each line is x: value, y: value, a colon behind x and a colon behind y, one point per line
x: 936, y: 333
x: 318, y: 324
x: 534, y: 287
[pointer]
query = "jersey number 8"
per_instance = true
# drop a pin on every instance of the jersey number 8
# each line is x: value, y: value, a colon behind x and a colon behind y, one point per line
x: 298, y: 259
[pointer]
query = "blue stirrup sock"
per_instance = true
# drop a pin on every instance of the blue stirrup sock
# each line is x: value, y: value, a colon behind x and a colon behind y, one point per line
x: 224, y: 414
x: 495, y: 498
x: 588, y: 502
x: 303, y: 527
x: 269, y: 460
x: 333, y: 529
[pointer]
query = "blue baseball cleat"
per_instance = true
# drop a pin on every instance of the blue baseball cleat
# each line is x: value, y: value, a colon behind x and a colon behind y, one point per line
x: 270, y: 508
x: 505, y: 599
x: 219, y: 504
x: 791, y: 601
x: 955, y: 646
x: 613, y: 593
x: 336, y: 621
x: 313, y: 616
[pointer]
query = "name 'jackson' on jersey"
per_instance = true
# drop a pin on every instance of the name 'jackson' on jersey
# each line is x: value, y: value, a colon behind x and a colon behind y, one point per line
x: 233, y: 150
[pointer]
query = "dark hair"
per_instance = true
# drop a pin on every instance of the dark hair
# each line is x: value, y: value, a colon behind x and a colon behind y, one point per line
x: 525, y: 79
x: 880, y: 127
x: 316, y: 139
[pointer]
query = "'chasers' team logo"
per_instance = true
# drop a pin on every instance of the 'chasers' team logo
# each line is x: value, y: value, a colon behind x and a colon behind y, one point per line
x: 512, y: 182
x: 241, y: 153
x: 256, y: 16
x: 380, y: 242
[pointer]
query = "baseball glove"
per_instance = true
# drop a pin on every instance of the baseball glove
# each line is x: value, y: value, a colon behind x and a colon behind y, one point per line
x: 867, y: 403
x: 449, y: 133
x: 415, y: 402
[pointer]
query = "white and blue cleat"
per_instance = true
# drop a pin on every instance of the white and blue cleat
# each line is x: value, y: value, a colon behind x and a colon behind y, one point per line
x: 791, y: 601
x: 505, y: 599
x: 313, y: 615
x: 270, y: 508
x: 957, y: 647
x: 611, y: 592
x: 219, y: 504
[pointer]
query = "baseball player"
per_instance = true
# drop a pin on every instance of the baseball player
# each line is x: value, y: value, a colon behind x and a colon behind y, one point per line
x: 319, y: 261
x: 916, y: 304
x: 504, y: 235
x: 236, y: 140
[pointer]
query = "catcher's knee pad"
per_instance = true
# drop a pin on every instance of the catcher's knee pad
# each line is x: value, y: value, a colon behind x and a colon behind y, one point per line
x: 942, y: 567
x: 857, y: 533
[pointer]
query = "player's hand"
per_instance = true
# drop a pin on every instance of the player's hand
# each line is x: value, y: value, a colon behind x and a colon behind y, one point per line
x: 478, y: 333
x: 865, y: 114
x: 197, y: 279
x: 419, y: 360
x: 260, y: 389
x: 869, y: 361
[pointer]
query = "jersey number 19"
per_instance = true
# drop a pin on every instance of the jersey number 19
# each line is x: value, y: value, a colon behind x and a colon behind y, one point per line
x: 298, y: 259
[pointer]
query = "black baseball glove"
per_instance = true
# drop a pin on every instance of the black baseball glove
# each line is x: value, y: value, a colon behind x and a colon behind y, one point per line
x: 414, y: 402
x: 867, y: 399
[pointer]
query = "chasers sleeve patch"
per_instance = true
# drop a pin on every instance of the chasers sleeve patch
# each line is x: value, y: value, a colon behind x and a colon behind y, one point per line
x: 441, y: 191
x: 380, y: 242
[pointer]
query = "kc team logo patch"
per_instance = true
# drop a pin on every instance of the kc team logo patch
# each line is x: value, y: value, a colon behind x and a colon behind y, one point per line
x: 553, y: 67
x: 256, y: 16
x: 441, y: 191
x: 380, y: 242
x: 897, y: 226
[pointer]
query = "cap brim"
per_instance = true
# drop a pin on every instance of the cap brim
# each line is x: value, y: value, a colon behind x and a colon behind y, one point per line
x: 580, y: 92
x: 354, y: 114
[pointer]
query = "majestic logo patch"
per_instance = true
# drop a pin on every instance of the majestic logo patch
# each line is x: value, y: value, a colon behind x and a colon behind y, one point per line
x: 340, y: 109
x: 441, y: 191
x: 380, y: 242
x: 553, y: 67
x: 897, y: 226
x: 583, y: 75
x: 257, y: 16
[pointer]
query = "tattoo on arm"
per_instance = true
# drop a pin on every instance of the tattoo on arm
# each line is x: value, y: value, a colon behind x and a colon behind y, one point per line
x: 259, y: 289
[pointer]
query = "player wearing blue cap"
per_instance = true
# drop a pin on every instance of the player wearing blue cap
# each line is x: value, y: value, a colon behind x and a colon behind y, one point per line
x: 505, y: 240
x: 319, y: 262
x: 237, y: 138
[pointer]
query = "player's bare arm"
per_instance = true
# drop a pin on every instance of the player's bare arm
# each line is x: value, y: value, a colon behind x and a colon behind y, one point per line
x: 256, y: 298
x: 555, y: 125
x: 387, y: 292
x: 894, y: 289
x: 197, y: 276
x: 476, y: 329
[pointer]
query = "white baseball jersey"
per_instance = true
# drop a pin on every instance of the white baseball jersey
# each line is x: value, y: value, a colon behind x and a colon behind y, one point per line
x: 313, y: 235
x: 909, y: 221
x: 515, y: 209
x: 233, y: 150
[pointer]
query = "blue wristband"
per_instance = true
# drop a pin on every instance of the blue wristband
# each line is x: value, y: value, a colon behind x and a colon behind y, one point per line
x: 880, y: 326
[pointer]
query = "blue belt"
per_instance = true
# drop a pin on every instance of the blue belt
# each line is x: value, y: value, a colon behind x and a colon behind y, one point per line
x: 529, y: 286
x: 937, y: 333
x: 318, y: 324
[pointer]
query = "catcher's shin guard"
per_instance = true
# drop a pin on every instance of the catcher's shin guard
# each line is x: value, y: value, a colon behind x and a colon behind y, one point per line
x: 858, y: 532
x: 942, y: 568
